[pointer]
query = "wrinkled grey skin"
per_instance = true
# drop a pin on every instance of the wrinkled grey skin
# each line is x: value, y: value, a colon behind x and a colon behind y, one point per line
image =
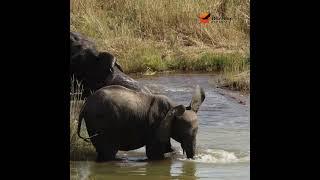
x: 97, y: 69
x: 118, y: 118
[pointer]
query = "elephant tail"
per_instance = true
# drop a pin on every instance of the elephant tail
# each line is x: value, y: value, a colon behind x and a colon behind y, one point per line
x: 79, y: 126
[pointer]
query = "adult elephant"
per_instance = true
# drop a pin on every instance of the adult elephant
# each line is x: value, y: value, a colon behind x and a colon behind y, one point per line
x: 97, y: 69
x: 118, y: 118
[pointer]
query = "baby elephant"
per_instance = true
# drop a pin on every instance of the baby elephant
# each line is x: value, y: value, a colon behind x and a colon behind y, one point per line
x: 118, y: 118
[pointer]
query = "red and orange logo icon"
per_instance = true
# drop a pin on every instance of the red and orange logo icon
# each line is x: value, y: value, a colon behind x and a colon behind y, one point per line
x: 204, y: 17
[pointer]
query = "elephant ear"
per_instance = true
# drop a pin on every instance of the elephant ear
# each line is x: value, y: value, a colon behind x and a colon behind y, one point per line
x: 197, y: 99
x: 111, y: 61
x: 164, y: 129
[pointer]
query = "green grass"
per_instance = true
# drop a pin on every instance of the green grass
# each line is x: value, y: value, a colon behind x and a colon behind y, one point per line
x: 210, y: 62
x: 235, y: 81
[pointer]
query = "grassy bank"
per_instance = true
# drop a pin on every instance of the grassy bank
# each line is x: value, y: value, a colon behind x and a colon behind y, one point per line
x: 161, y: 35
x: 235, y: 81
x: 79, y: 149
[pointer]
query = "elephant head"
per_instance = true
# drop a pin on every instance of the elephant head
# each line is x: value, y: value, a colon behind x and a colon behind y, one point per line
x: 181, y: 123
x: 94, y: 70
x: 97, y: 69
x: 85, y: 58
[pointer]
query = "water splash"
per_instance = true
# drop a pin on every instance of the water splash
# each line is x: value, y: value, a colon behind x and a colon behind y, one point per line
x: 217, y: 156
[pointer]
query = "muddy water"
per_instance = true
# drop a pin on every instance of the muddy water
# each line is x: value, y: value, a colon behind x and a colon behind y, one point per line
x: 223, y: 140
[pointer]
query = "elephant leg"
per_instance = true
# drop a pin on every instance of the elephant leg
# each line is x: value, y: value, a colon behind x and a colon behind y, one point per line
x: 107, y: 153
x: 168, y: 147
x: 154, y: 152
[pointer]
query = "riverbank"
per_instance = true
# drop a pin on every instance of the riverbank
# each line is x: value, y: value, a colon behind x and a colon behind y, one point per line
x: 172, y: 39
x: 229, y: 80
x: 233, y: 68
x: 79, y: 149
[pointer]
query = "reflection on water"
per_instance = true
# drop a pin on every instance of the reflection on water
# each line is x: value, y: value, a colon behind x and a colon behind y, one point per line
x: 136, y: 170
x: 223, y: 140
x: 167, y: 169
x: 184, y: 169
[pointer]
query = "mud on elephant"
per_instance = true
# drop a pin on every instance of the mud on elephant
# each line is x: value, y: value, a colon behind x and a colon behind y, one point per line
x: 118, y: 118
x: 97, y: 69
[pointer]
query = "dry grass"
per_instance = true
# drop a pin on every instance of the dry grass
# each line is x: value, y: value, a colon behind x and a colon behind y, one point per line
x: 154, y: 34
x: 79, y: 149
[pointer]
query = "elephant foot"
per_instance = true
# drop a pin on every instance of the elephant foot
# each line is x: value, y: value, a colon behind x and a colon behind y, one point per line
x: 105, y: 152
x: 155, y: 157
x: 154, y: 153
x: 103, y: 157
x: 168, y: 148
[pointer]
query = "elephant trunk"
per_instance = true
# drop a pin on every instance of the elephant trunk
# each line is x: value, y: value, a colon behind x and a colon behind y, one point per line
x: 190, y: 148
x: 190, y: 153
